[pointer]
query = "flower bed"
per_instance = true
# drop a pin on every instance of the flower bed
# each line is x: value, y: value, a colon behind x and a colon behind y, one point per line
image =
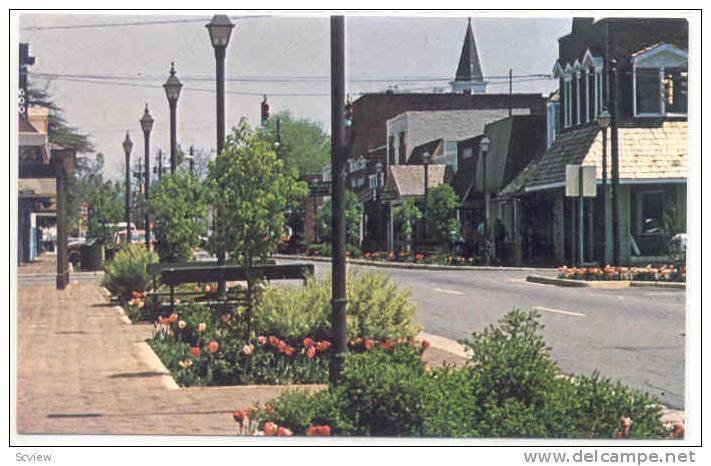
x: 509, y: 389
x: 209, y: 345
x: 664, y: 273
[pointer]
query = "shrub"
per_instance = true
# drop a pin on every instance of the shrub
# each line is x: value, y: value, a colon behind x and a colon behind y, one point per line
x: 179, y: 206
x: 382, y: 393
x: 127, y: 272
x: 450, y: 408
x: 376, y: 309
x: 299, y: 409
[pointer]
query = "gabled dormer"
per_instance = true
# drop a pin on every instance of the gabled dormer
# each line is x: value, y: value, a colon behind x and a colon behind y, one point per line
x: 659, y: 82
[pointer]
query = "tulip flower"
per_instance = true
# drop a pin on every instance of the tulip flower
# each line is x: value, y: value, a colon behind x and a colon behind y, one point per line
x: 202, y: 326
x: 270, y: 428
x: 284, y: 432
x: 213, y: 346
x: 195, y: 351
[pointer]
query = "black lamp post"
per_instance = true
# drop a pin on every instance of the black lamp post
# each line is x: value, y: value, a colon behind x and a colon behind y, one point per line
x: 146, y: 126
x: 603, y: 120
x: 338, y: 219
x: 220, y: 29
x: 426, y: 159
x: 172, y: 91
x: 615, y: 160
x: 484, y: 150
x: 191, y: 160
x: 127, y: 146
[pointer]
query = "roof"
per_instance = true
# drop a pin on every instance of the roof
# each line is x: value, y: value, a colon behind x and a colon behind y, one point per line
x: 24, y: 126
x: 646, y: 153
x: 469, y: 68
x: 409, y: 180
x: 434, y: 148
x: 37, y: 187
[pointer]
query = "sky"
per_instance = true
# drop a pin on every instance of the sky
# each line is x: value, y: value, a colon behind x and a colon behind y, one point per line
x: 109, y: 72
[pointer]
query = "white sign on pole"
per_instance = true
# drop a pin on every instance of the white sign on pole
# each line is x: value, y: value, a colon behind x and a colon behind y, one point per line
x: 572, y: 180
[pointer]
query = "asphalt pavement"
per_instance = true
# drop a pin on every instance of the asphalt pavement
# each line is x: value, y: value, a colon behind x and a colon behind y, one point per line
x: 633, y: 334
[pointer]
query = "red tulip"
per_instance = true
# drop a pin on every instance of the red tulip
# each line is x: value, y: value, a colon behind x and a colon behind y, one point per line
x: 678, y: 430
x: 311, y: 352
x: 270, y: 428
x: 312, y: 431
x: 261, y: 339
x: 369, y: 344
x: 387, y: 345
x: 425, y: 344
x: 239, y: 416
x: 324, y: 431
x: 284, y: 432
x: 213, y: 346
x: 195, y: 351
x: 308, y: 342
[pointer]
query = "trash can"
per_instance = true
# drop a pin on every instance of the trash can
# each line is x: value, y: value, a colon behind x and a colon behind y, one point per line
x: 92, y: 256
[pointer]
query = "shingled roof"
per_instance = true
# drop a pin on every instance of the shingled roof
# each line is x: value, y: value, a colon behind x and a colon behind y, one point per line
x: 409, y: 180
x: 648, y: 153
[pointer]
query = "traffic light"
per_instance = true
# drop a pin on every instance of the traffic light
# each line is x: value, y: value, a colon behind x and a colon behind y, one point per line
x: 265, y: 111
x: 349, y: 112
x: 669, y: 90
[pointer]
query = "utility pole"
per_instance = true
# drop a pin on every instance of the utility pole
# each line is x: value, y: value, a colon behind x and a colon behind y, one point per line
x: 615, y: 161
x: 338, y: 221
x: 510, y: 91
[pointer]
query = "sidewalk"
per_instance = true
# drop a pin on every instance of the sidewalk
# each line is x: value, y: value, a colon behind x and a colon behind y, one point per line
x: 45, y: 264
x: 82, y: 370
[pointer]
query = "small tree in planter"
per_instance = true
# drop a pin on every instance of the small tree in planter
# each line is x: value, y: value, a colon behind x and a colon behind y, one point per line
x: 254, y: 191
x: 354, y: 215
x: 442, y: 222
x: 406, y: 214
x: 178, y: 204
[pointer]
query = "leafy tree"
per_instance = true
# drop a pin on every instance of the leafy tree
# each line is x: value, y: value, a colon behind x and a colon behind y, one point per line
x: 253, y: 191
x: 442, y: 223
x: 303, y: 145
x: 406, y: 215
x: 354, y: 215
x: 105, y: 202
x: 178, y: 203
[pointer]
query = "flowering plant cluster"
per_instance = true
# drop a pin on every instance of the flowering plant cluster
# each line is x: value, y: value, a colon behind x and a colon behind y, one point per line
x: 420, y: 258
x: 247, y: 424
x: 366, y: 344
x: 665, y: 273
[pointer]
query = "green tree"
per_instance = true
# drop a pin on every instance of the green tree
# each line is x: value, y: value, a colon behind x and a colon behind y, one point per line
x: 406, y: 215
x: 178, y: 203
x: 354, y: 215
x: 105, y: 203
x: 253, y: 190
x: 442, y: 223
x: 303, y: 145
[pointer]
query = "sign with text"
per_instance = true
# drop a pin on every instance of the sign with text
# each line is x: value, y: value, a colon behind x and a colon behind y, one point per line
x: 572, y: 180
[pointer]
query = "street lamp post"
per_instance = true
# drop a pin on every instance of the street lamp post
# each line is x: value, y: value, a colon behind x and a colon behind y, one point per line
x: 378, y: 205
x: 172, y: 91
x: 484, y: 150
x: 338, y: 219
x: 615, y: 159
x: 191, y: 160
x: 220, y: 29
x: 146, y: 126
x: 426, y: 159
x: 127, y: 146
x: 604, y: 121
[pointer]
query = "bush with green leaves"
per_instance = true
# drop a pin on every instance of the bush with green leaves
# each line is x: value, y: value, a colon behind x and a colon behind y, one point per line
x: 442, y: 221
x: 407, y: 215
x: 377, y: 309
x: 510, y: 388
x: 127, y: 272
x: 178, y: 204
x: 354, y: 217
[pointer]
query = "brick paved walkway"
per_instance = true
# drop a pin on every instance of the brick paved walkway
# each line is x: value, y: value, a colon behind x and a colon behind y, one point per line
x: 82, y: 370
x: 45, y: 264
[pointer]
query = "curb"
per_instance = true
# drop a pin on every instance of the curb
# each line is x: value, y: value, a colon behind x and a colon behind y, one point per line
x: 602, y: 284
x: 444, y: 344
x: 151, y: 359
x: 409, y: 265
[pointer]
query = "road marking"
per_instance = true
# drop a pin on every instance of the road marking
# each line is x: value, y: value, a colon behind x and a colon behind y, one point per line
x: 458, y: 293
x: 558, y: 311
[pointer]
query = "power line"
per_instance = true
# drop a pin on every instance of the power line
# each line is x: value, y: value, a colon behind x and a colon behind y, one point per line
x: 128, y: 23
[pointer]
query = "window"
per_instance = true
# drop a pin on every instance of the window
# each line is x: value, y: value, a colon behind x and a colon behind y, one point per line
x: 568, y: 103
x: 650, y: 213
x: 659, y: 81
x: 590, y: 98
x: 391, y: 150
x: 401, y: 150
x: 577, y: 99
x: 648, y: 92
x: 598, y: 86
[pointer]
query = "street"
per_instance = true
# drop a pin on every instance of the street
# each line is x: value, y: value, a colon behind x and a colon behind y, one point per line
x: 634, y: 334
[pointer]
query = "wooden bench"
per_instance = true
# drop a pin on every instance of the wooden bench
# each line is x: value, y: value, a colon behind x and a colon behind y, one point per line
x: 173, y: 276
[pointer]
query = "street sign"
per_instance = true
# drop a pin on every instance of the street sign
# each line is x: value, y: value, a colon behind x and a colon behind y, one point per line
x: 572, y: 180
x: 320, y: 188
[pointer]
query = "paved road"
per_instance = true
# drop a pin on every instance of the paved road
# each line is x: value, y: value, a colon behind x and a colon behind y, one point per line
x: 634, y: 334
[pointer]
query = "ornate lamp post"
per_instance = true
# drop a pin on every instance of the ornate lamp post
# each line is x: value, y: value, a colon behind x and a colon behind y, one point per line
x: 127, y: 146
x: 172, y: 91
x: 484, y: 150
x: 426, y: 159
x: 220, y: 29
x: 603, y: 120
x: 615, y: 169
x: 146, y: 126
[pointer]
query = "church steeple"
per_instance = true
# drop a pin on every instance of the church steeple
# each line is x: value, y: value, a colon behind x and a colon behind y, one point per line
x: 469, y: 78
